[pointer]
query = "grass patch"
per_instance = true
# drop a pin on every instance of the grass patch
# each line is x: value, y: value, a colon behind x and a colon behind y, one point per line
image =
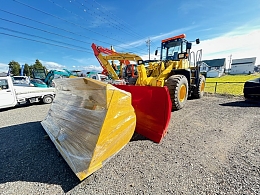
x: 228, y: 88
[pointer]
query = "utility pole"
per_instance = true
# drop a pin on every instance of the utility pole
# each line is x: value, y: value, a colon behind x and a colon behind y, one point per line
x: 148, y: 43
x: 230, y: 62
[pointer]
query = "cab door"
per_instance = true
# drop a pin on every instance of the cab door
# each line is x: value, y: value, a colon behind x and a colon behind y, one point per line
x: 7, y: 94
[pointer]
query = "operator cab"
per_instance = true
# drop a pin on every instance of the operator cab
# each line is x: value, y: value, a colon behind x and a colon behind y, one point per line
x: 39, y: 74
x: 175, y: 48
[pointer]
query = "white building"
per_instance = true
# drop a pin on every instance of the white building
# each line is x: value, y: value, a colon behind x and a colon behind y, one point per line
x: 243, y: 66
x: 214, y: 68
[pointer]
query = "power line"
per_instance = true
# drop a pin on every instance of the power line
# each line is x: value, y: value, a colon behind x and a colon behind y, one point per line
x: 58, y: 28
x: 105, y: 20
x: 44, y: 30
x: 41, y: 37
x: 60, y: 6
x: 64, y: 20
x: 116, y: 17
x: 81, y: 17
x: 55, y: 27
x: 45, y: 42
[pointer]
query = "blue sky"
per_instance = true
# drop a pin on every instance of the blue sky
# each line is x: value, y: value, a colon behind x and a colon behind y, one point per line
x: 59, y: 32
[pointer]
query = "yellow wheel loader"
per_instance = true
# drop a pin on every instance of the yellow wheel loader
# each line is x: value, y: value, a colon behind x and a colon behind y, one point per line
x: 178, y: 69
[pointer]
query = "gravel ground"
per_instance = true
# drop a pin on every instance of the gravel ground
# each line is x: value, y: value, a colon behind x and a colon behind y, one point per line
x: 212, y: 147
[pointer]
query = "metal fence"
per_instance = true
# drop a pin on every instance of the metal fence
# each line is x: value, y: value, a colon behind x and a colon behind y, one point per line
x: 232, y: 88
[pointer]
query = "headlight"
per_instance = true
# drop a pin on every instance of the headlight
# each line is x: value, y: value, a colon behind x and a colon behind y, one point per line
x: 181, y: 55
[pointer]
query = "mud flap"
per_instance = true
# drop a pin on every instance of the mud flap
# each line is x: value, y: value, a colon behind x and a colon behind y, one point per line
x: 153, y: 110
x: 89, y: 121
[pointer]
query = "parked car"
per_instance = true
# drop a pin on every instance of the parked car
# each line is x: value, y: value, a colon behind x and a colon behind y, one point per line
x: 252, y: 89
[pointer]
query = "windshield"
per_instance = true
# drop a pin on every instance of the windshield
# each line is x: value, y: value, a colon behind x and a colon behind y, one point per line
x: 171, y: 50
x: 171, y: 53
x: 39, y: 74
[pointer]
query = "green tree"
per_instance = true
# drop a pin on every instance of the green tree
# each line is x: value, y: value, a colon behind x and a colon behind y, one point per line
x: 37, y: 65
x: 27, y: 71
x: 14, y: 68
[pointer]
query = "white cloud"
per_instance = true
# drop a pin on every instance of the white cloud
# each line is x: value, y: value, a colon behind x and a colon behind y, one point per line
x: 242, y: 44
x: 189, y: 6
x: 152, y: 57
x: 82, y: 60
x: 52, y: 65
x: 155, y: 38
x: 92, y: 68
x: 4, y: 67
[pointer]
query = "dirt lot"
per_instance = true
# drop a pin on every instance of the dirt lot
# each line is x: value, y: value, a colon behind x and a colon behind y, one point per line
x: 212, y: 147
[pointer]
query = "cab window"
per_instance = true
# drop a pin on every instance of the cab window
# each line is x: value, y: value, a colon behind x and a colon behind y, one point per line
x: 3, y: 84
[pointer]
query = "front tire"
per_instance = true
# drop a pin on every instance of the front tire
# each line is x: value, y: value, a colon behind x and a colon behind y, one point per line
x: 47, y: 99
x: 178, y: 89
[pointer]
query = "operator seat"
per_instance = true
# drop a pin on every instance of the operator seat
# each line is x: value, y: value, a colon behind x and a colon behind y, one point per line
x: 175, y: 56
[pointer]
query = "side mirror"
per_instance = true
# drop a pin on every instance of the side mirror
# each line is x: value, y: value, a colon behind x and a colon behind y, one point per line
x: 197, y: 41
x: 188, y: 45
x: 156, y: 52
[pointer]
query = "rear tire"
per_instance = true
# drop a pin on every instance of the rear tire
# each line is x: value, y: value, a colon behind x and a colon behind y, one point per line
x: 178, y: 89
x: 47, y: 99
x: 199, y: 91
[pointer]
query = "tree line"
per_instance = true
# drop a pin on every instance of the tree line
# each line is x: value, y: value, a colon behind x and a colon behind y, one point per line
x: 15, y: 68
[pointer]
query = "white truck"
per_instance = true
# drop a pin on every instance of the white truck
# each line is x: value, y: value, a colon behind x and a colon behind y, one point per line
x: 97, y: 76
x: 11, y: 95
x: 104, y: 78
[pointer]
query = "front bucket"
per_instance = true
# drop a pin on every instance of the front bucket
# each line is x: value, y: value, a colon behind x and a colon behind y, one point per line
x: 89, y: 121
x: 153, y: 110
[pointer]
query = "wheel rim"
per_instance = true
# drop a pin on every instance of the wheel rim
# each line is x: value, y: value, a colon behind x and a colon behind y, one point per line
x: 182, y: 93
x: 48, y: 100
x: 202, y: 86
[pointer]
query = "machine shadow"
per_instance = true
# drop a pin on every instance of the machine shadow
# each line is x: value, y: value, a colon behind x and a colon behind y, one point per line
x: 27, y: 154
x: 247, y: 103
x: 138, y: 137
x: 20, y: 106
